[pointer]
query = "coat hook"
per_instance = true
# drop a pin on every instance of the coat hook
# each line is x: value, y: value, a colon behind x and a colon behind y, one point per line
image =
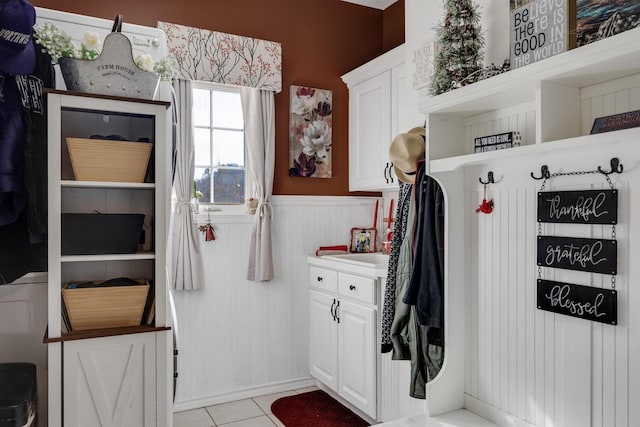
x: 489, y: 179
x: 616, y: 167
x: 544, y: 173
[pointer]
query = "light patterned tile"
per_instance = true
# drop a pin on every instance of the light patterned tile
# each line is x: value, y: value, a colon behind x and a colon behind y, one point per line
x: 193, y: 418
x: 263, y: 421
x: 234, y: 411
x: 264, y: 402
x: 276, y: 421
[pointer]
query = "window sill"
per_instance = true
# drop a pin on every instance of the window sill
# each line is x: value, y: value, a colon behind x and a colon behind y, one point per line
x: 231, y: 216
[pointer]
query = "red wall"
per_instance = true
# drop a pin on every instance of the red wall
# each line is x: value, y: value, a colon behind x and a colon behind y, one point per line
x: 321, y: 40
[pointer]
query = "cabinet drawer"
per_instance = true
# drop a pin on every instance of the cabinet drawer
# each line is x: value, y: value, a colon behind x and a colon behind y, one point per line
x: 322, y: 278
x: 356, y: 287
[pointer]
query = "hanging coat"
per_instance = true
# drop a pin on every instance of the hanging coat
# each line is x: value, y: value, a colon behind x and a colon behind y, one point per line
x: 399, y: 229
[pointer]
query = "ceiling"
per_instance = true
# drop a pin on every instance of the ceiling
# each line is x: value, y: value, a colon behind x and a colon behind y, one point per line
x: 378, y: 4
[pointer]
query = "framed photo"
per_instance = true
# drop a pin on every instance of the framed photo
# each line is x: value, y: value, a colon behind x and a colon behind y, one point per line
x: 598, y: 19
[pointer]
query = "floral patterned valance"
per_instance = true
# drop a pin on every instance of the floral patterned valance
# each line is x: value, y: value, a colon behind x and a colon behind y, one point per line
x: 224, y: 58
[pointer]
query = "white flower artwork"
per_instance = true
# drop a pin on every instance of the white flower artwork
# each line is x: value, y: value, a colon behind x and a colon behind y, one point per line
x: 310, y: 130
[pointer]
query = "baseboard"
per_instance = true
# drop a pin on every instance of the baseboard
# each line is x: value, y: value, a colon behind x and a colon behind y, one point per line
x: 247, y: 393
x: 493, y: 414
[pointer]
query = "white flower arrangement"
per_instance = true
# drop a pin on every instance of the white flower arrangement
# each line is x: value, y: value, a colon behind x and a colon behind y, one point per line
x: 59, y: 45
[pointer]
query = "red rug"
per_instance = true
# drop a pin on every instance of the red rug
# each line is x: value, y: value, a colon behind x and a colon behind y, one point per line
x: 314, y: 409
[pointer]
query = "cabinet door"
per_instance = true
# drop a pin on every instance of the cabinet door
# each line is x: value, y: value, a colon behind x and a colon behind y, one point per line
x: 369, y: 133
x: 357, y: 355
x: 405, y: 113
x: 110, y: 382
x: 323, y: 333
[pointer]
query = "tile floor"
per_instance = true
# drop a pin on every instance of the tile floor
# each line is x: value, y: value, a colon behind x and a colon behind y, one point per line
x: 254, y: 412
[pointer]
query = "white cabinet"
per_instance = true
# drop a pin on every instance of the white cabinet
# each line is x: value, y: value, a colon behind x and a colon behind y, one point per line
x: 342, y: 328
x: 111, y: 376
x: 110, y: 381
x: 381, y: 105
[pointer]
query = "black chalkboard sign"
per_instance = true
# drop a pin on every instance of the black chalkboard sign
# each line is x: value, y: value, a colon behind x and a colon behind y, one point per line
x: 573, y: 253
x: 578, y: 207
x: 585, y: 302
x: 626, y: 120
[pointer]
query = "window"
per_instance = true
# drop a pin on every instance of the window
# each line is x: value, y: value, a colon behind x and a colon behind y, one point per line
x: 219, y: 144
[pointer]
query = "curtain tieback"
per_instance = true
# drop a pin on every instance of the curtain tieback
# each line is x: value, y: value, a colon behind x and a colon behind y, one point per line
x: 263, y: 207
x: 181, y: 204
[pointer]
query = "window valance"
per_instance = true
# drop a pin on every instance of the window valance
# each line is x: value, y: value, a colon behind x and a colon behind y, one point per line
x: 224, y: 58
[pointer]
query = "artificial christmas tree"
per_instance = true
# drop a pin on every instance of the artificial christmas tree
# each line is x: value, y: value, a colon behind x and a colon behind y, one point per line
x: 460, y: 44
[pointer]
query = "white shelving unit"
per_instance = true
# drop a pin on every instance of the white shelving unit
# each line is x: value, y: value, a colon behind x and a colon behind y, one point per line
x: 542, y: 101
x: 115, y: 376
x: 552, y: 103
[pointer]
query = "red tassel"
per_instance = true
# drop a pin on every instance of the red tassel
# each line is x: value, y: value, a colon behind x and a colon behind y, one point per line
x: 208, y: 234
x: 207, y: 229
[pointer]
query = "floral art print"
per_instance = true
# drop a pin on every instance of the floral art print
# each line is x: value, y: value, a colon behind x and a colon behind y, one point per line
x: 310, y: 132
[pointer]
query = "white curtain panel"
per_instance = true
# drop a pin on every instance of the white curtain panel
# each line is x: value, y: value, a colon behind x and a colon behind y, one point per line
x: 259, y: 126
x: 186, y: 261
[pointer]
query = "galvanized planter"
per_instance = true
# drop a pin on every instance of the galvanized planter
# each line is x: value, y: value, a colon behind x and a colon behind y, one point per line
x: 113, y: 72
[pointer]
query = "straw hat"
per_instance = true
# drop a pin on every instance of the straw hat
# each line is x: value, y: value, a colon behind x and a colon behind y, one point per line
x: 404, y: 152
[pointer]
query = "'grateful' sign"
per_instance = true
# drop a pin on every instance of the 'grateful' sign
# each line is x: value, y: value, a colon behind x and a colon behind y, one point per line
x: 575, y: 253
x: 538, y: 31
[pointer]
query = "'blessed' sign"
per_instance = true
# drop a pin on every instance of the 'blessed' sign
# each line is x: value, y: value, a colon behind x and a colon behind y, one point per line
x: 578, y: 207
x: 538, y: 31
x: 585, y: 302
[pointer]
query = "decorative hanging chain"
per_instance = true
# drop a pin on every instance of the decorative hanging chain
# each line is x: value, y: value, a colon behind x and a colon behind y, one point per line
x: 576, y: 173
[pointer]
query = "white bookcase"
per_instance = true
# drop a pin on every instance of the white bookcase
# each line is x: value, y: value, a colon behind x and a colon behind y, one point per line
x: 116, y: 376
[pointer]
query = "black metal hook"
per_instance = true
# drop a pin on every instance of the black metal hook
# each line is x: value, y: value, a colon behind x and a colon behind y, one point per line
x: 616, y: 167
x: 544, y: 173
x: 489, y: 179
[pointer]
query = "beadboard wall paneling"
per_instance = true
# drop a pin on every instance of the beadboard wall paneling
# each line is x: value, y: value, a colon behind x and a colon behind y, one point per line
x: 239, y: 337
x: 542, y: 368
x: 538, y: 367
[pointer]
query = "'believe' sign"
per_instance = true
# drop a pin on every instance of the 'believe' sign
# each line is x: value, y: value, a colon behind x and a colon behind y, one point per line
x: 538, y: 30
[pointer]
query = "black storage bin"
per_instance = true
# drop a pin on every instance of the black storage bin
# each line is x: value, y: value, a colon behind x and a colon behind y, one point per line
x: 97, y: 233
x: 18, y: 394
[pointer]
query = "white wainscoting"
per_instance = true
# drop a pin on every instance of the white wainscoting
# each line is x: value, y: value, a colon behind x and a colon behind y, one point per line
x: 240, y: 338
x: 542, y: 368
x: 525, y: 366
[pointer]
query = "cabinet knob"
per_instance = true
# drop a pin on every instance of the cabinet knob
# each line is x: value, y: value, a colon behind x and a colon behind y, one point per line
x: 352, y: 287
x: 319, y: 278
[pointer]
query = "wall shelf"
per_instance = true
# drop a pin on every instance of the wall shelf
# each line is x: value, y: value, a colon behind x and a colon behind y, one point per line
x: 598, y: 62
x: 551, y: 103
x: 611, y: 139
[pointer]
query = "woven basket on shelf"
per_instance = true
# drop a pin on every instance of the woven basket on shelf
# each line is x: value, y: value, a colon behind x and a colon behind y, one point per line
x: 106, y: 160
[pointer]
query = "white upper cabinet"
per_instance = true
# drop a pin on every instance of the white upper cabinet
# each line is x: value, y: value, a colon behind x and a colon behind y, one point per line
x: 381, y: 105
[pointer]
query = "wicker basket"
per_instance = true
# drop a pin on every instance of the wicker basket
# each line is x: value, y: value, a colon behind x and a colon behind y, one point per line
x: 105, y: 160
x: 105, y: 307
